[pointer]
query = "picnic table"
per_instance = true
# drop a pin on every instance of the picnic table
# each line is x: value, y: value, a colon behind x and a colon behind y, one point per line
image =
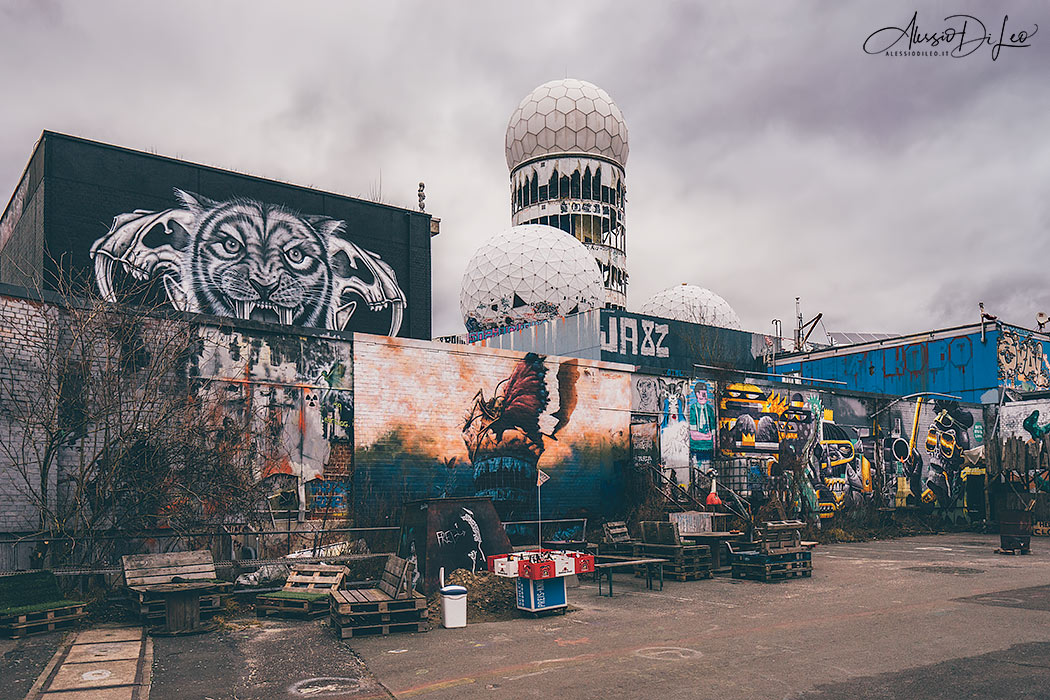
x: 176, y: 581
x: 610, y: 563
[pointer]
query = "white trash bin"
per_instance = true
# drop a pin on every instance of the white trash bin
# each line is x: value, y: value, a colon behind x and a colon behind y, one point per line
x: 453, y: 606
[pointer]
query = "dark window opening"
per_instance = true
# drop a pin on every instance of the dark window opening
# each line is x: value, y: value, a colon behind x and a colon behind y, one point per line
x: 565, y: 223
x: 574, y: 185
x: 534, y: 188
x: 543, y: 193
x: 552, y: 186
x: 586, y: 191
x: 596, y: 184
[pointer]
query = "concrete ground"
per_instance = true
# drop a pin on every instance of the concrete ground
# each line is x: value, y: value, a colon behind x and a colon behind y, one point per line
x: 918, y: 617
x: 929, y: 617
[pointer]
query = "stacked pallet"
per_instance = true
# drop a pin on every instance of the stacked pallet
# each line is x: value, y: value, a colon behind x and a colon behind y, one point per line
x: 305, y: 593
x: 661, y: 540
x: 778, y: 554
x: 393, y: 606
x: 31, y: 603
x: 686, y: 562
x: 768, y: 568
x: 366, y: 611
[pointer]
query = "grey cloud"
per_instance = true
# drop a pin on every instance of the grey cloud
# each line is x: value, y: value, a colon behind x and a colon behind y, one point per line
x: 770, y: 157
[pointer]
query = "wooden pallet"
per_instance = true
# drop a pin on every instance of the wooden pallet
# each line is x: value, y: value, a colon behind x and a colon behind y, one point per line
x: 772, y: 571
x: 42, y: 626
x: 359, y: 601
x: 382, y: 618
x: 348, y: 632
x: 748, y: 558
x: 690, y: 576
x: 772, y: 576
x: 54, y: 614
x: 151, y: 607
x: 315, y: 578
x: 31, y: 602
x: 305, y: 608
x: 686, y: 562
x: 779, y: 536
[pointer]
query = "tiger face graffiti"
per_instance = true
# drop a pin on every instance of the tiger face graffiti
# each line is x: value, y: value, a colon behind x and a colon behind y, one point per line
x: 258, y: 261
x: 250, y: 260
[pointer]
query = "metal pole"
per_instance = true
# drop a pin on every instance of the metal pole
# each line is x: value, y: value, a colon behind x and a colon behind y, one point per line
x: 539, y: 518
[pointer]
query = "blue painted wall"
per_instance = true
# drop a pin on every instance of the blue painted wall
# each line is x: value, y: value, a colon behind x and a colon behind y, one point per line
x: 961, y: 365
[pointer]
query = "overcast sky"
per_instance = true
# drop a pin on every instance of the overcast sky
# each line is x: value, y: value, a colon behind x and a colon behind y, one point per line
x: 770, y: 156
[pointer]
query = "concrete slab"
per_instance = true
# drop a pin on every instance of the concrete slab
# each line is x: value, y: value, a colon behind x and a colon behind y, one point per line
x: 109, y: 634
x: 91, y: 694
x: 109, y: 673
x: 103, y: 651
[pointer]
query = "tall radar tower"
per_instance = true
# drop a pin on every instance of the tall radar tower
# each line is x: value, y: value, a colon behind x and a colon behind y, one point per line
x: 566, y: 150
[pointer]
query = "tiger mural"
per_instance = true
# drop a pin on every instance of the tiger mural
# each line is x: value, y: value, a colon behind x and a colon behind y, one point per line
x: 248, y: 259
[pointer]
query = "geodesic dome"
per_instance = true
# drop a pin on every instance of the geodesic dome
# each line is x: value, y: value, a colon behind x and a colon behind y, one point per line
x: 693, y: 304
x: 566, y: 116
x: 529, y: 273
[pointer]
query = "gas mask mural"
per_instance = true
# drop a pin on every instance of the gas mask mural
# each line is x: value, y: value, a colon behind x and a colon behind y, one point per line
x: 247, y: 259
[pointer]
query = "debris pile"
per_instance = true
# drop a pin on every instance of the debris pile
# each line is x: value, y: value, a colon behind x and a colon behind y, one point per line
x: 489, y: 597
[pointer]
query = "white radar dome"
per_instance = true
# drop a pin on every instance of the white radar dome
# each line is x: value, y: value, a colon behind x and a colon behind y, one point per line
x: 529, y: 273
x: 693, y: 304
x: 566, y: 116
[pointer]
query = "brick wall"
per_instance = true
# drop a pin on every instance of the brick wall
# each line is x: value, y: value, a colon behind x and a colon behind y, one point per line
x: 413, y: 398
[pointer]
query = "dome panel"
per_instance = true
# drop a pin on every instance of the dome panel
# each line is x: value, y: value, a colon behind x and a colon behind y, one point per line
x: 569, y: 102
x: 546, y: 105
x: 545, y: 267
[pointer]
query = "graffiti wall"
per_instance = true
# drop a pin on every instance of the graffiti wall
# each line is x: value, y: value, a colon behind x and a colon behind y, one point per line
x: 1025, y: 419
x: 682, y: 412
x: 1022, y: 360
x: 820, y: 451
x: 138, y: 226
x: 433, y: 421
x: 295, y: 395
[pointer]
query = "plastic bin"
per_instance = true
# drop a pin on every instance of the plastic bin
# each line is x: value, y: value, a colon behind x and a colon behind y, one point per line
x: 453, y: 606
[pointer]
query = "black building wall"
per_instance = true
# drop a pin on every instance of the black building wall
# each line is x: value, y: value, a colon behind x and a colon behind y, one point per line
x: 89, y: 185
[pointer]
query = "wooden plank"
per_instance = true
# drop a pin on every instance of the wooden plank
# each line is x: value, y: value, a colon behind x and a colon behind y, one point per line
x: 149, y: 561
x: 166, y: 575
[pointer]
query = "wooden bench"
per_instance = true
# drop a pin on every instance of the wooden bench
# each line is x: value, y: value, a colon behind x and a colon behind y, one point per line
x: 305, y: 592
x: 392, y: 606
x: 609, y: 563
x: 32, y: 603
x: 178, y: 587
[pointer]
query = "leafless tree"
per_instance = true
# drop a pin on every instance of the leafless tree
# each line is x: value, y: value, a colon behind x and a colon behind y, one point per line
x: 106, y: 430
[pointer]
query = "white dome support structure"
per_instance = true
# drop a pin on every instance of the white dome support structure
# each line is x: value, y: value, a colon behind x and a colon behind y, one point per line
x: 526, y: 274
x: 567, y: 151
